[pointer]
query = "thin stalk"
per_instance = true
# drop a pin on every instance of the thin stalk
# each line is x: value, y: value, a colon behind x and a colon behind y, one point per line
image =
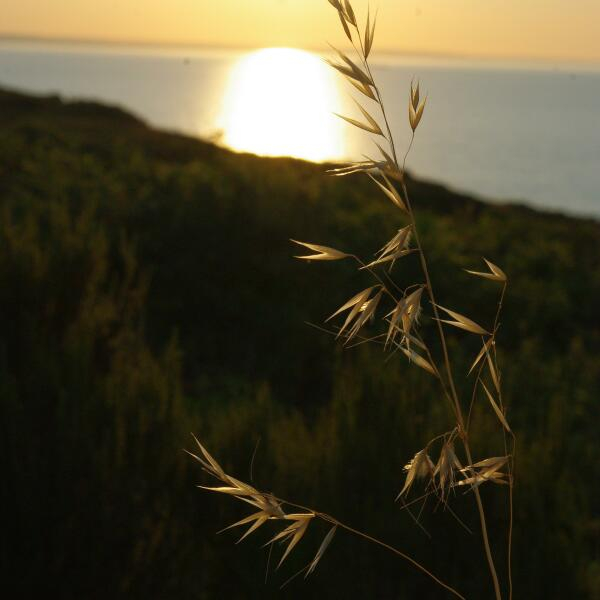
x: 514, y: 444
x: 395, y: 551
x: 460, y: 419
x: 512, y: 454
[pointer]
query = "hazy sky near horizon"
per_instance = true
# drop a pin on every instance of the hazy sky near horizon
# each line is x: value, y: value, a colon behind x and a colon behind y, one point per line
x: 546, y: 29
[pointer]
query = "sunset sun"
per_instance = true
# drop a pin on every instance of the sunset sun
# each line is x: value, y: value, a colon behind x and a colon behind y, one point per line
x: 280, y: 102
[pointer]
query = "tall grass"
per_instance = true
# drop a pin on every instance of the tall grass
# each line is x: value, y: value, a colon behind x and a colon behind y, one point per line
x: 407, y: 321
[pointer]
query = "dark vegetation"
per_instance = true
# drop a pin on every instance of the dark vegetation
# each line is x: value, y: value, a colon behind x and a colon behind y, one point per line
x: 147, y: 290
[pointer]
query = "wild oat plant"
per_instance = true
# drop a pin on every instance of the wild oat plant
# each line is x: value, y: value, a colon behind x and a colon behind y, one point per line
x: 400, y: 313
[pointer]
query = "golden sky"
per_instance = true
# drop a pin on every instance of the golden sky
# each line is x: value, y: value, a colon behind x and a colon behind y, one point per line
x: 549, y: 29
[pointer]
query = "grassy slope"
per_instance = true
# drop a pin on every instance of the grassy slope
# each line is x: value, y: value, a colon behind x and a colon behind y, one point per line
x: 117, y: 237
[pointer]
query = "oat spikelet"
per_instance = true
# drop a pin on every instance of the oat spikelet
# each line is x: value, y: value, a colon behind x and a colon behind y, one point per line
x: 322, y: 548
x: 463, y: 322
x: 390, y: 191
x: 481, y: 354
x: 364, y: 166
x: 496, y: 408
x: 323, y: 252
x: 396, y: 248
x: 369, y: 34
x: 363, y: 307
x: 293, y: 533
x: 415, y: 110
x: 445, y: 470
x: 484, y: 470
x: 495, y: 274
x: 420, y: 467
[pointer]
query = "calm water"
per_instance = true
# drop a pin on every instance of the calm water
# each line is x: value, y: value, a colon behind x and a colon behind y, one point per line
x: 523, y: 133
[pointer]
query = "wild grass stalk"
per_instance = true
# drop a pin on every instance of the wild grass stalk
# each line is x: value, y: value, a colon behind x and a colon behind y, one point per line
x: 401, y: 313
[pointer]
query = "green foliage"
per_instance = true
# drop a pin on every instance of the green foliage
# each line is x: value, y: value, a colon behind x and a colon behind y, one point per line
x: 147, y: 290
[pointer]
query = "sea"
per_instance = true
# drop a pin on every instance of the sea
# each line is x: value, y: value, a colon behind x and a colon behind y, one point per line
x: 526, y: 132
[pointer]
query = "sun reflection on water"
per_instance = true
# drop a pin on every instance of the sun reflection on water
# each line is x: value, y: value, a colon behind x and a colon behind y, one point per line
x: 279, y: 102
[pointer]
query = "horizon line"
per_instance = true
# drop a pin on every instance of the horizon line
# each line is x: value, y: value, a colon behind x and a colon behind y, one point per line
x: 195, y: 45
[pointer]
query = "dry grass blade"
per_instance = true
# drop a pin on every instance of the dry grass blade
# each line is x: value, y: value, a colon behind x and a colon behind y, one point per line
x: 445, y: 468
x: 293, y: 533
x: 210, y: 464
x: 489, y: 276
x: 415, y: 112
x: 233, y: 491
x: 348, y: 71
x: 349, y: 12
x: 493, y: 373
x: 261, y: 520
x: 356, y: 167
x: 344, y: 24
x: 419, y: 467
x: 324, y: 252
x: 415, y: 116
x: 362, y: 309
x: 369, y: 34
x: 496, y: 270
x: 418, y: 360
x: 496, y: 408
x: 390, y: 163
x: 414, y: 95
x: 370, y: 119
x: 351, y: 70
x: 399, y: 201
x: 390, y: 191
x: 357, y: 300
x: 463, y: 322
x: 367, y: 311
x: 322, y: 548
x: 393, y: 257
x: 483, y: 351
x: 484, y: 470
x: 266, y: 503
x: 258, y: 501
x: 494, y: 463
x: 400, y: 240
x: 476, y: 480
x: 395, y: 322
x: 253, y: 517
x: 253, y: 528
x: 410, y: 316
x: 369, y: 128
x: 495, y: 274
x: 396, y: 248
x: 411, y: 340
x: 363, y: 88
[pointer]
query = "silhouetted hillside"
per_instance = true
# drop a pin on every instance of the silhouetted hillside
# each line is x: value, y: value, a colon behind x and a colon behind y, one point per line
x: 148, y: 289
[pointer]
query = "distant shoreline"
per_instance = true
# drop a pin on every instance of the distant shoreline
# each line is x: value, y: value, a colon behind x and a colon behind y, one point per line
x: 15, y: 103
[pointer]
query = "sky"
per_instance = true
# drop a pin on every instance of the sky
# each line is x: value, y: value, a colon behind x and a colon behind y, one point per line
x: 539, y: 29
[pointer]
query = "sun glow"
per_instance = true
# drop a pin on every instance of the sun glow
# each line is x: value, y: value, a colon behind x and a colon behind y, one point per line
x: 280, y: 103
